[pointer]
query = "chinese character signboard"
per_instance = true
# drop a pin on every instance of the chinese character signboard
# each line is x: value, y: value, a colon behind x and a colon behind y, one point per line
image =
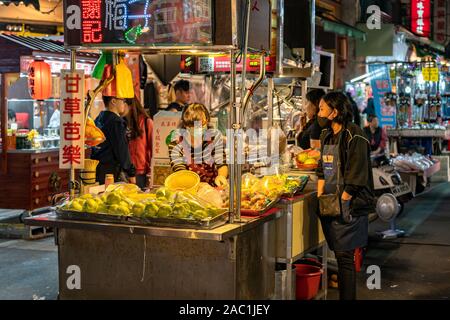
x: 430, y: 74
x: 138, y: 22
x: 223, y: 64
x: 163, y: 123
x: 421, y: 17
x: 71, y: 152
x: 55, y: 66
x: 381, y: 84
x: 440, y: 21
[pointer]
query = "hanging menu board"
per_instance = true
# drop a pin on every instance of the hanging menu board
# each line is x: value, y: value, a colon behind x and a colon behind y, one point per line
x: 137, y: 22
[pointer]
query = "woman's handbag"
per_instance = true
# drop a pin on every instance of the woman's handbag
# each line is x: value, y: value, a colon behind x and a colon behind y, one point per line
x: 330, y: 205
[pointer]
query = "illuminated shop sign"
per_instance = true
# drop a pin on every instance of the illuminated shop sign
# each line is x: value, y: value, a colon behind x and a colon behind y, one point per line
x: 137, y: 22
x: 421, y: 17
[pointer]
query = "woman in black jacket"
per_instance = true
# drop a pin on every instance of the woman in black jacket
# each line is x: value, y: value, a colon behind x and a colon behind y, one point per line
x: 344, y: 169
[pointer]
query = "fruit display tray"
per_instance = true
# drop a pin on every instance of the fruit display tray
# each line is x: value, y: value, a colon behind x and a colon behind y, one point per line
x: 253, y: 213
x: 307, y: 166
x: 296, y: 191
x: 205, y: 224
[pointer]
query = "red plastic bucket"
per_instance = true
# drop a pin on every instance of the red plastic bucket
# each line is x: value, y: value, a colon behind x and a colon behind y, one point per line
x: 308, y: 281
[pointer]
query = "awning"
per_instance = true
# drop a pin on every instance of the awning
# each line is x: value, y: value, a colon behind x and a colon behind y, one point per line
x: 44, y: 45
x: 422, y: 41
x: 340, y: 28
x: 34, y: 3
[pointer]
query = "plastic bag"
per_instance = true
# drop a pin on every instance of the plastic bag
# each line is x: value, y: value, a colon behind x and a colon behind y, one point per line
x: 93, y: 136
x: 124, y: 81
x: 210, y: 195
x: 122, y: 85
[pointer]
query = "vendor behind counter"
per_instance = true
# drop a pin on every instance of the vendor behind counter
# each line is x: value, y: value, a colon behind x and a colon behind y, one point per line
x: 196, y: 148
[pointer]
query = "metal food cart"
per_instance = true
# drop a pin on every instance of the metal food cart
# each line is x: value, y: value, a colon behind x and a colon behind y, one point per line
x: 233, y: 261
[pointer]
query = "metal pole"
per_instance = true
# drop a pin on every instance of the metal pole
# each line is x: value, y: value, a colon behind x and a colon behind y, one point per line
x: 231, y: 138
x: 270, y: 88
x: 244, y: 58
x: 72, y: 185
x: 239, y: 118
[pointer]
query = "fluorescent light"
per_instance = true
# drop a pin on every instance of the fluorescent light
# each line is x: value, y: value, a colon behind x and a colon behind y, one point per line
x: 370, y: 75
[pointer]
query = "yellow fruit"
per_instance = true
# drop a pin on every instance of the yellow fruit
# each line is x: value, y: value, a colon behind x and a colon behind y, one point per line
x: 76, y: 206
x: 124, y: 211
x: 113, y: 198
x: 138, y: 209
x: 114, y: 209
x: 302, y: 157
x: 90, y: 206
x: 102, y: 208
x: 310, y: 161
x: 124, y: 204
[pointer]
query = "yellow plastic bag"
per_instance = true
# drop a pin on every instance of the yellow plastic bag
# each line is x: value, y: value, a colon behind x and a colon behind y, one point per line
x: 93, y: 136
x: 124, y: 81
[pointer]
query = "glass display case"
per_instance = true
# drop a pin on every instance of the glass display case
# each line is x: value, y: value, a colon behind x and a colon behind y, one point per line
x: 42, y: 116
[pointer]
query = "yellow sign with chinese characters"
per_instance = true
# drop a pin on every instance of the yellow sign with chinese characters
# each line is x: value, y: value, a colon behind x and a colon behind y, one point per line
x: 430, y: 74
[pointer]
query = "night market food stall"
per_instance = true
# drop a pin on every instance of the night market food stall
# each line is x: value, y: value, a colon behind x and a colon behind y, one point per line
x: 31, y: 70
x: 168, y: 243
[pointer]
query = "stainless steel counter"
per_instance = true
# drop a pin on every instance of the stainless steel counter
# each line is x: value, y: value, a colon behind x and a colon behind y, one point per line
x: 235, y: 261
x: 218, y: 234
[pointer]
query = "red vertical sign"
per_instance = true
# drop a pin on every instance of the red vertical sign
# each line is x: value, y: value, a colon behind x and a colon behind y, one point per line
x: 71, y: 153
x: 421, y: 17
x: 91, y: 28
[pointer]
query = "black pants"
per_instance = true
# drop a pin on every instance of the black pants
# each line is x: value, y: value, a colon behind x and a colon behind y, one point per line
x: 346, y: 274
x: 141, y: 180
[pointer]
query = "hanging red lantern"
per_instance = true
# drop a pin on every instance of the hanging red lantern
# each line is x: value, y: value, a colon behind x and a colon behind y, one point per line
x: 40, y: 80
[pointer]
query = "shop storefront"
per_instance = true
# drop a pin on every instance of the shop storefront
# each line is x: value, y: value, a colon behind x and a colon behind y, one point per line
x: 31, y: 135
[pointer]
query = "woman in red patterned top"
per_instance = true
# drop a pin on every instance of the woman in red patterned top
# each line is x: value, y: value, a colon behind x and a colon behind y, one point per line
x: 139, y: 134
x: 199, y: 149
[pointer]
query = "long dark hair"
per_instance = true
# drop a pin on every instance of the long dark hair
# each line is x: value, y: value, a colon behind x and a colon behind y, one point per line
x: 339, y: 101
x: 314, y: 96
x: 136, y: 110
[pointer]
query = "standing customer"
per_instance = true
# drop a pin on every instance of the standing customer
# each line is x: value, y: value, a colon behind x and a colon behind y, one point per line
x: 139, y: 134
x: 113, y: 154
x: 310, y: 135
x: 344, y: 187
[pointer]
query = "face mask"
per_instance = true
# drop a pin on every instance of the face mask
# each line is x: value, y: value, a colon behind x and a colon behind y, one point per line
x: 324, y: 122
x: 197, y: 133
